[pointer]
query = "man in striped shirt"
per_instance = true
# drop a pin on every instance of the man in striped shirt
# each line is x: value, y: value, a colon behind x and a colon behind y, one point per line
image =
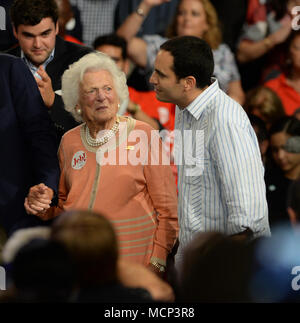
x: 220, y: 172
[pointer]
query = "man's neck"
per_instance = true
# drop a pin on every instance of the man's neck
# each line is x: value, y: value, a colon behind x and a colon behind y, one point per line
x: 32, y: 66
x: 190, y: 97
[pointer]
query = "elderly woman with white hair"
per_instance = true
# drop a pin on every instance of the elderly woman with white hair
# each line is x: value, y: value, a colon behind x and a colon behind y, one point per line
x: 107, y: 166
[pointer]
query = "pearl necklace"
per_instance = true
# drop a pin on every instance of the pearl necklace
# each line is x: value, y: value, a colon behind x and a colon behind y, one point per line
x: 102, y: 140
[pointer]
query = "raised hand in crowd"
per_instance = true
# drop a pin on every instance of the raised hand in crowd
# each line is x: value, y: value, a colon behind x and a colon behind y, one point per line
x: 132, y: 24
x: 45, y: 86
x: 280, y: 35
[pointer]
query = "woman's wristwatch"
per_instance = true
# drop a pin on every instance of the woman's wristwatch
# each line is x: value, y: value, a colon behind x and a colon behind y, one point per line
x: 140, y: 12
x: 160, y: 267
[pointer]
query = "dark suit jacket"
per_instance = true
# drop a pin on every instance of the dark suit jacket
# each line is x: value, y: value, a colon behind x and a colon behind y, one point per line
x: 66, y: 53
x: 27, y: 142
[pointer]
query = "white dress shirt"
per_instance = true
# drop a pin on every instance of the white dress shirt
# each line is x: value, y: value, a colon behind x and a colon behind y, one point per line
x: 226, y: 192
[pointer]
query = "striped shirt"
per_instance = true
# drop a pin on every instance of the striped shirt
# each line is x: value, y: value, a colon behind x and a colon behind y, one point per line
x: 221, y: 176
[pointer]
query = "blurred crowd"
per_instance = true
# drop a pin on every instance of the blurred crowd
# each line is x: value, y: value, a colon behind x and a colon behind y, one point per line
x: 82, y: 256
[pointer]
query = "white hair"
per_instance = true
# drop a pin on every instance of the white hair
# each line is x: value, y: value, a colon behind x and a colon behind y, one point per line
x: 74, y: 74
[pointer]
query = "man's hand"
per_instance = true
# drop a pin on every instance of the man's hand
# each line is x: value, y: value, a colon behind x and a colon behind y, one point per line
x: 45, y: 87
x: 246, y: 235
x: 38, y: 199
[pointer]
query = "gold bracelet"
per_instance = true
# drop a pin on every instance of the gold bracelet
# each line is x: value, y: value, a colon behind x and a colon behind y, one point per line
x: 160, y: 267
x: 268, y: 43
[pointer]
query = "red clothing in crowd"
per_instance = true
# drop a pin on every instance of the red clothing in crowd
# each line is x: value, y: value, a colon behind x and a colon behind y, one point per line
x: 72, y: 39
x: 162, y: 111
x: 290, y: 98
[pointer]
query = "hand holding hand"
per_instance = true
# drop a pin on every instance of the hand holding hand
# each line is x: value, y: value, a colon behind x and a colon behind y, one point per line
x: 38, y: 199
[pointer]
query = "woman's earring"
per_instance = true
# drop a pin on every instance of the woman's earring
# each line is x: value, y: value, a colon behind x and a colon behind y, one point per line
x: 119, y: 106
x: 78, y: 110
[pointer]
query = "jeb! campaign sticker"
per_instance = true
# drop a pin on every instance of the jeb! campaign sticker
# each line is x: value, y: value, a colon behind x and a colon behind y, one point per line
x: 79, y: 160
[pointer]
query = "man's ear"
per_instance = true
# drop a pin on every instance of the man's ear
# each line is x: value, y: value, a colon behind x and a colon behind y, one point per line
x: 15, y: 32
x: 56, y: 28
x: 292, y: 216
x: 189, y: 83
x: 126, y: 67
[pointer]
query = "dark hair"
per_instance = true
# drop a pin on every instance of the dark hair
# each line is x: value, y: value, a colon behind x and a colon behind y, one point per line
x: 288, y: 65
x: 31, y: 12
x: 91, y: 241
x: 293, y: 197
x: 262, y: 132
x: 279, y: 7
x: 192, y: 57
x: 213, y: 36
x: 266, y: 101
x: 113, y: 40
x: 215, y: 268
x: 289, y: 125
x: 43, y: 271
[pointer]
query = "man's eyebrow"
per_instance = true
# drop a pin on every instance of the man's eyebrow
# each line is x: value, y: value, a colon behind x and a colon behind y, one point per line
x: 47, y: 31
x: 26, y: 33
x: 116, y: 58
x: 159, y: 72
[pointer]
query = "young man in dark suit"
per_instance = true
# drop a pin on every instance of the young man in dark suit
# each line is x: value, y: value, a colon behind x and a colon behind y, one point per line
x: 27, y: 141
x: 35, y: 25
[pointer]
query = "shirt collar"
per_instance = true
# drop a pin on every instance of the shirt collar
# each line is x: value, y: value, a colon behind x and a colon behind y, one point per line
x: 197, y: 106
x: 32, y: 67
